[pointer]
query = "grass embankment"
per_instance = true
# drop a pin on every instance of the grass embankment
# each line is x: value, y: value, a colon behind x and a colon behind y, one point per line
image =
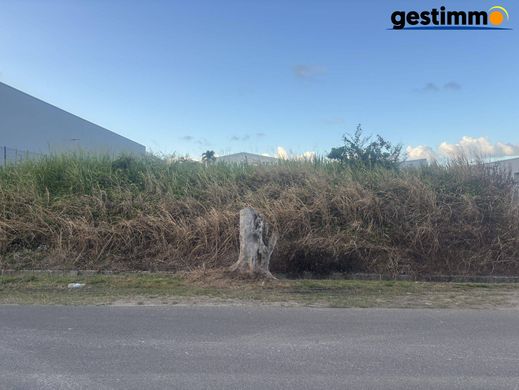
x: 150, y: 214
x: 134, y: 289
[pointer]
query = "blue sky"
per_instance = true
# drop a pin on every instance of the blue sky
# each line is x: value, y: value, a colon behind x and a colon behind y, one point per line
x: 242, y: 75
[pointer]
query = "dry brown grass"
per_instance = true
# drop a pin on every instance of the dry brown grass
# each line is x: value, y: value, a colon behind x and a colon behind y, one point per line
x: 151, y: 215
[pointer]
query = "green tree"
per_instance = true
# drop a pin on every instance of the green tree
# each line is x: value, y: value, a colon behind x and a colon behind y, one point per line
x: 208, y: 156
x: 361, y: 150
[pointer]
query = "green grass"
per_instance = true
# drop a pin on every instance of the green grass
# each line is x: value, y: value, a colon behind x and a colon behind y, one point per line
x: 134, y: 289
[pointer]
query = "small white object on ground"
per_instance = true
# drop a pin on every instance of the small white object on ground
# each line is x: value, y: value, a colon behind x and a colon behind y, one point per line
x: 76, y: 285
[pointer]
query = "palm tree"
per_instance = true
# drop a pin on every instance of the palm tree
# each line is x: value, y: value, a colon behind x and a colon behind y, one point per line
x: 208, y: 156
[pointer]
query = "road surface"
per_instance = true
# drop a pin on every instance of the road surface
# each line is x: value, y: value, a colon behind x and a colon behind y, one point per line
x: 256, y: 347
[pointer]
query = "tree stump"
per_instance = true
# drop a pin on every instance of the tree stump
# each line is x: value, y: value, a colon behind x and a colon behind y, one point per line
x: 256, y: 244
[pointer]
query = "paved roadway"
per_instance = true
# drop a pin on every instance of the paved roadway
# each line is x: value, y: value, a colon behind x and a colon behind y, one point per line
x: 246, y: 347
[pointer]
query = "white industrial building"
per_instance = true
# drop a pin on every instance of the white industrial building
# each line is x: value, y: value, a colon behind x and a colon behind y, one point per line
x: 31, y: 127
x: 247, y: 158
x: 414, y: 163
x: 508, y: 165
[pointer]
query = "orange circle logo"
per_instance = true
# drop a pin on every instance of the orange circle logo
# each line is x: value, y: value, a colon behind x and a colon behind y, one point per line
x: 496, y: 18
x: 496, y: 15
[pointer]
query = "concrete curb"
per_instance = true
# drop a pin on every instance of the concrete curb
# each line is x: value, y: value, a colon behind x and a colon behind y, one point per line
x: 422, y: 278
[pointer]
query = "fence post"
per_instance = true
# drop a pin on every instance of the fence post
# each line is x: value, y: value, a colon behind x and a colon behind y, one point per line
x: 5, y: 156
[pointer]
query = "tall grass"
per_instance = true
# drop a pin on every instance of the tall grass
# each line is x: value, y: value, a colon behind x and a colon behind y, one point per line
x: 150, y: 214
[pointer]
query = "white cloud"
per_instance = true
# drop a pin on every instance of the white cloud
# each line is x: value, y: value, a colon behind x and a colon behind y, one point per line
x: 508, y: 149
x: 309, y: 156
x: 282, y: 153
x: 419, y: 152
x: 450, y: 150
x: 478, y: 147
x: 467, y: 146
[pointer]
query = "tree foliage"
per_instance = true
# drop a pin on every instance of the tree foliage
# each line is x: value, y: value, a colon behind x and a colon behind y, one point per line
x: 208, y: 156
x: 363, y: 150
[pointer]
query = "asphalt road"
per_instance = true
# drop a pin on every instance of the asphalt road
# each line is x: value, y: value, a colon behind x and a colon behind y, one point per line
x: 59, y: 347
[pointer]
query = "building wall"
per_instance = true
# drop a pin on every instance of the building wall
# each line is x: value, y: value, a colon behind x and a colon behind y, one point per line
x: 29, y: 124
x: 414, y: 163
x: 511, y: 166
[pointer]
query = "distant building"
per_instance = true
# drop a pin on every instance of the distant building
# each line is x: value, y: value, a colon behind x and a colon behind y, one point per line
x: 32, y: 127
x: 414, y: 163
x: 508, y: 165
x: 247, y: 158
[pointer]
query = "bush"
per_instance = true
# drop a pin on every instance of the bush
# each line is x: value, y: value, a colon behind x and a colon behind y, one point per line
x: 363, y: 151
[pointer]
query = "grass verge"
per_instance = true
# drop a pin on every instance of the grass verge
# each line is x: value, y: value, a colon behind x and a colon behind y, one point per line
x: 150, y: 289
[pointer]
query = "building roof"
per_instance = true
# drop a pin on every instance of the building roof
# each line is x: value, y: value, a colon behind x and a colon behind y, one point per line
x: 414, y: 163
x: 245, y: 157
x: 30, y: 124
x: 493, y: 160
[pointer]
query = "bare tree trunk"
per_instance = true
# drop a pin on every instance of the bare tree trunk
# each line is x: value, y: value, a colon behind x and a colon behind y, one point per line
x: 256, y: 244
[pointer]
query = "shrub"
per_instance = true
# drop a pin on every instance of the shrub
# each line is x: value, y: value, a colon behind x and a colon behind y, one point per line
x: 363, y: 151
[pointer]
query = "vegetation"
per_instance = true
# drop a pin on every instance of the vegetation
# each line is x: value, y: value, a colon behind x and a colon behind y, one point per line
x: 151, y: 214
x: 359, y: 150
x: 142, y: 289
x: 209, y: 156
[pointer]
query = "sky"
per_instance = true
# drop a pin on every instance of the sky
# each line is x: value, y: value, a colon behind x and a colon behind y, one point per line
x: 264, y: 76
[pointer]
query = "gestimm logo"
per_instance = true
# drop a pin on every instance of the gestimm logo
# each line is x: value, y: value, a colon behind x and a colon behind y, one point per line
x: 442, y: 19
